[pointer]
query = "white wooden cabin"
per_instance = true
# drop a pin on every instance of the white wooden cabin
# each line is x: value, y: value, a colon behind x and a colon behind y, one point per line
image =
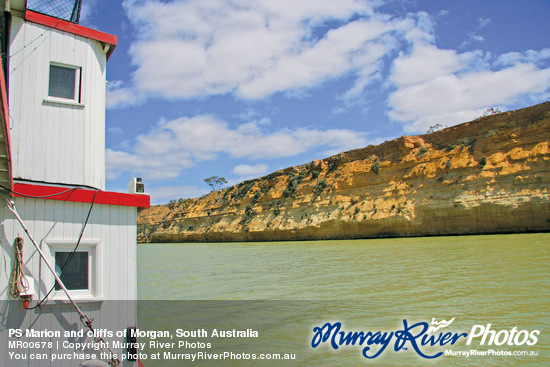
x: 57, y: 101
x: 52, y: 167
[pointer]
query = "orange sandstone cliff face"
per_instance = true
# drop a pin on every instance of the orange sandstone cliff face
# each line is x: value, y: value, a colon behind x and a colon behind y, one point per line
x: 491, y: 175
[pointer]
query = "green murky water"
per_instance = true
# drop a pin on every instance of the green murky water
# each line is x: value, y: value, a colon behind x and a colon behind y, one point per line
x: 285, y: 289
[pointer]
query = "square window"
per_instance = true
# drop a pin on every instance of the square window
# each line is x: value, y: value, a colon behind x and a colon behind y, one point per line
x: 81, y: 276
x: 76, y: 273
x: 64, y: 82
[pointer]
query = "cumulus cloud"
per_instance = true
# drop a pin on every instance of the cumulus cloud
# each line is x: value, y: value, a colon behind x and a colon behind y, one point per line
x: 354, y: 46
x: 426, y: 62
x: 248, y: 170
x: 120, y: 95
x: 529, y: 56
x: 172, y: 146
x: 253, y: 48
x: 256, y: 48
x: 434, y: 85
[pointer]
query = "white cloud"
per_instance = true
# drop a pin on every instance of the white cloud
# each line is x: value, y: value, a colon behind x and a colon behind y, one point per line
x: 530, y: 56
x: 119, y: 95
x: 350, y: 47
x: 457, y: 97
x: 163, y: 194
x: 248, y: 170
x: 434, y: 85
x: 472, y: 38
x: 483, y: 22
x: 419, y: 28
x: 476, y: 37
x: 114, y: 130
x: 425, y: 63
x: 253, y: 48
x: 172, y: 146
x: 87, y: 11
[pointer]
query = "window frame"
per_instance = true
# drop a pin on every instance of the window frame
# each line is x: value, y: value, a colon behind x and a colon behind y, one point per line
x: 77, y: 99
x: 93, y: 249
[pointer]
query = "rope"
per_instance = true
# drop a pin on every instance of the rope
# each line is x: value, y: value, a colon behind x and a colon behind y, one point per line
x: 49, y: 31
x: 28, y: 44
x: 17, y: 274
x: 38, y: 197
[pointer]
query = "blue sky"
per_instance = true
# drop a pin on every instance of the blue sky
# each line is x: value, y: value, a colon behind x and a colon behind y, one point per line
x: 241, y: 88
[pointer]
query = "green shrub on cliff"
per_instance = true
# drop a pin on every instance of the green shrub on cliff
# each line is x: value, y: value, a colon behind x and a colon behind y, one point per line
x: 292, y: 186
x: 483, y: 161
x: 171, y: 204
x: 256, y: 196
x: 321, y: 185
x: 467, y: 143
x: 375, y: 167
x: 450, y: 147
x: 244, y: 189
x: 422, y: 151
x: 301, y: 176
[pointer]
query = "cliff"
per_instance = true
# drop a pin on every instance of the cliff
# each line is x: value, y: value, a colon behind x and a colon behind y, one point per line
x: 490, y: 175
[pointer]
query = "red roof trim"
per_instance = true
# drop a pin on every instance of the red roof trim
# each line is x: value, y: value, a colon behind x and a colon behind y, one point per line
x: 5, y: 121
x: 73, y: 28
x: 80, y: 195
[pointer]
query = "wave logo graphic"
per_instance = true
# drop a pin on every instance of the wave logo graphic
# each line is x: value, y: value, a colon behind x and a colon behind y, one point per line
x: 439, y: 325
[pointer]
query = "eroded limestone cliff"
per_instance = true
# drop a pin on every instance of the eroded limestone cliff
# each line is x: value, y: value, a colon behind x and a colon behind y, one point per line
x: 490, y: 175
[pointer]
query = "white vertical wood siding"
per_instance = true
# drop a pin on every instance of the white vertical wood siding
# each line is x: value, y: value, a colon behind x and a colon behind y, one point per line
x: 56, y: 142
x: 112, y: 227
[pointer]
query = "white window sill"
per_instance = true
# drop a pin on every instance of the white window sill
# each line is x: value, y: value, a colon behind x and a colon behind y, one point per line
x: 65, y: 301
x: 67, y: 102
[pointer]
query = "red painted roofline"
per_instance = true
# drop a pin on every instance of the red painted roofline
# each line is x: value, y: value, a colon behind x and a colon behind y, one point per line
x: 45, y: 192
x: 73, y: 28
x: 6, y: 121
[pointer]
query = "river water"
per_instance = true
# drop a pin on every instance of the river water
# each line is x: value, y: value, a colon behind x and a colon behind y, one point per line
x: 285, y: 289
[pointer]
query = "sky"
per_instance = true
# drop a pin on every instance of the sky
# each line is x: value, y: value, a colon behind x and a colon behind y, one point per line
x: 242, y: 88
